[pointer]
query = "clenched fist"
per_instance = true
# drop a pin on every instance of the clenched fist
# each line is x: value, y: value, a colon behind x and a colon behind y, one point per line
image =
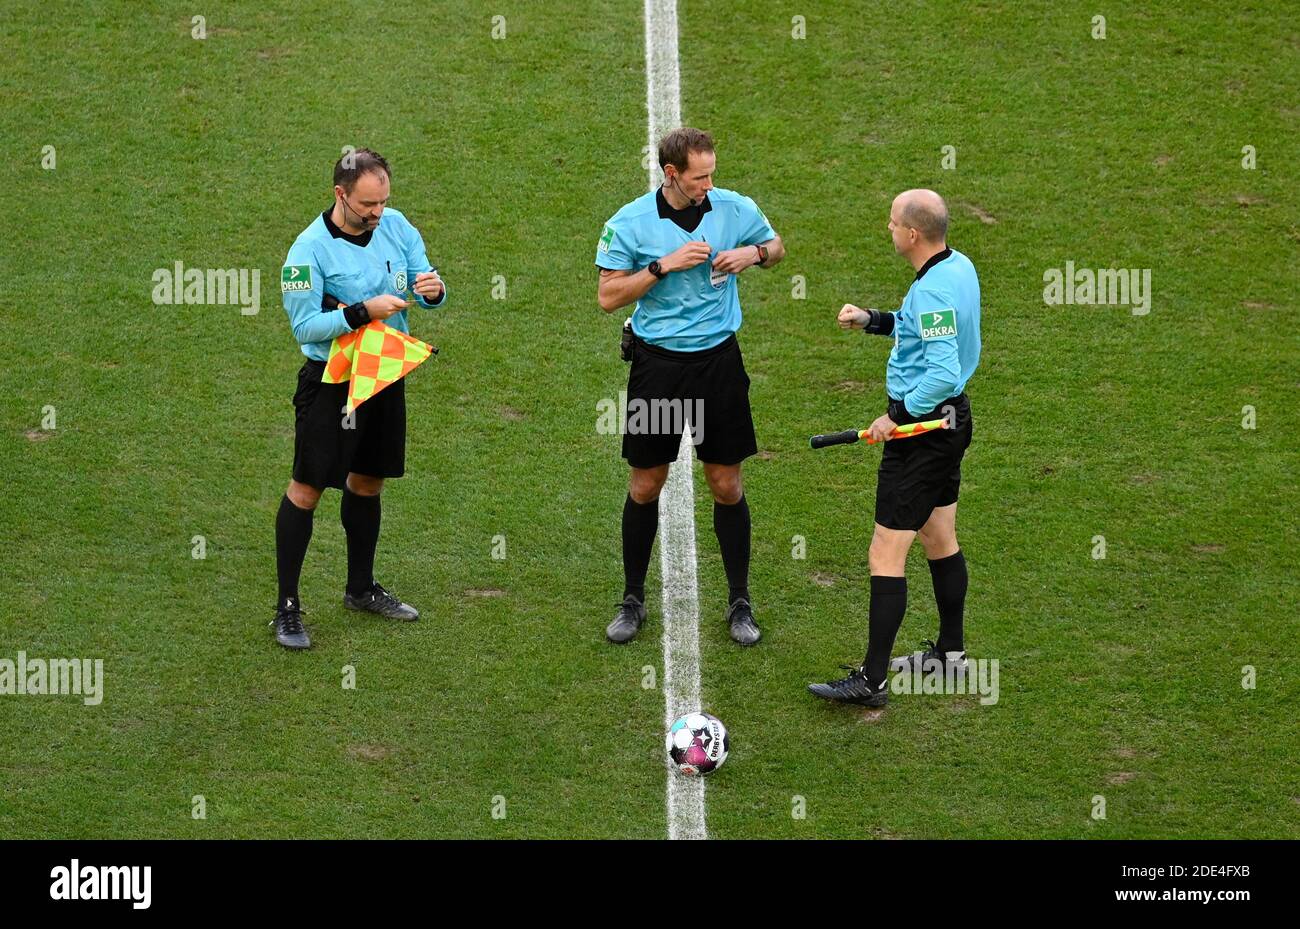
x: 853, y: 318
x: 882, y: 428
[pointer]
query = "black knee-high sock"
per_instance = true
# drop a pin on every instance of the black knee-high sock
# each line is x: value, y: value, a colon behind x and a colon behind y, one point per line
x: 949, y: 576
x: 732, y: 526
x: 888, y: 603
x: 640, y: 523
x: 360, y: 517
x: 292, y: 534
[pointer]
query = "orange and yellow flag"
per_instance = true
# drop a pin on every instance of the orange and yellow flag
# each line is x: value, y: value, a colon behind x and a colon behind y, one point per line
x: 909, y: 429
x: 371, y: 358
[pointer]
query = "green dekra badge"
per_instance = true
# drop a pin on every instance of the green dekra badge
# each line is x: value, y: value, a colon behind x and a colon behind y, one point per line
x: 938, y: 324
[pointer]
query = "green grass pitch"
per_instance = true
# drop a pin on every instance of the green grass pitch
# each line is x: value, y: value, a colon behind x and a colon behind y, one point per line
x: 1120, y: 677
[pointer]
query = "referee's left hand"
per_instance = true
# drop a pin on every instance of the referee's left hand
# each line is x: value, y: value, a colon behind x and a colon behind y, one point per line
x: 428, y: 285
x: 882, y: 428
x: 735, y: 260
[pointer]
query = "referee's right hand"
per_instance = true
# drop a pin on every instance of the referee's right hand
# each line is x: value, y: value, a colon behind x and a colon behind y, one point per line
x: 384, y: 306
x: 688, y: 256
x: 853, y: 318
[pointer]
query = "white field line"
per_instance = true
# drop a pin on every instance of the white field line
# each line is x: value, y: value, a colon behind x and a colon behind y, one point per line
x: 681, y: 602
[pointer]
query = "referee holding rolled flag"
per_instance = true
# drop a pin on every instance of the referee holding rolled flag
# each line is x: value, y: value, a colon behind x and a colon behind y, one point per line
x: 936, y: 350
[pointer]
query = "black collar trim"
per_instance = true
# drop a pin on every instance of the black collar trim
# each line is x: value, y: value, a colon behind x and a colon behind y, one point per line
x: 934, y: 260
x: 688, y: 218
x: 362, y: 240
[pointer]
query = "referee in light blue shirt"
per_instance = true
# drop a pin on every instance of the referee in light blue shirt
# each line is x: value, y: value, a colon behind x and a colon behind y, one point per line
x: 677, y: 253
x: 356, y: 262
x: 936, y: 350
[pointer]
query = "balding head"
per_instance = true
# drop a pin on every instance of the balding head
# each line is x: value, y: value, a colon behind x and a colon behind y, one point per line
x: 918, y: 223
x: 924, y: 211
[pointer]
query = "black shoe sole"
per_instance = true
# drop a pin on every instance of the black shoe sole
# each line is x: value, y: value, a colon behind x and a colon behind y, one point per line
x: 879, y: 700
x: 398, y: 619
x: 628, y: 640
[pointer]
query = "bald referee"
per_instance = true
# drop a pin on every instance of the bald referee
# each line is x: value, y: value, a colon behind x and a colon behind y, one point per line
x: 354, y: 263
x: 677, y: 253
x: 936, y: 350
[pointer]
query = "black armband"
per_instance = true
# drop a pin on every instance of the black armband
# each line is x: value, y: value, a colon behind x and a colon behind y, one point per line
x: 356, y: 315
x: 881, y: 323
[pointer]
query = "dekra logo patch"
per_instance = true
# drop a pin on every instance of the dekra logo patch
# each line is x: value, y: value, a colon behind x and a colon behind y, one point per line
x: 938, y: 324
x: 295, y: 277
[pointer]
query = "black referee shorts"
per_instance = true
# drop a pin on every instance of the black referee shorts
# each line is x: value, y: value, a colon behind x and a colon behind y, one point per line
x: 921, y: 473
x: 669, y: 391
x: 324, y: 451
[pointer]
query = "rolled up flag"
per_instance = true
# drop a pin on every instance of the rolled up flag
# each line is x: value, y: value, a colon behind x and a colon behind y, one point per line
x: 850, y: 436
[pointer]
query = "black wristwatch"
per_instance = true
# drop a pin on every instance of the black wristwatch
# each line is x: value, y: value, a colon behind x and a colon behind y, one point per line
x: 762, y: 254
x: 657, y: 269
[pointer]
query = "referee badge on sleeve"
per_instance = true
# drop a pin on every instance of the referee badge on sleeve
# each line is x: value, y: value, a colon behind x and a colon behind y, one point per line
x: 606, y: 239
x: 938, y: 324
x: 295, y: 277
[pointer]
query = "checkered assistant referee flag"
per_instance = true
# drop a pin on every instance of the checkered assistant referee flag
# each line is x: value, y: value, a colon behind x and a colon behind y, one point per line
x: 371, y: 358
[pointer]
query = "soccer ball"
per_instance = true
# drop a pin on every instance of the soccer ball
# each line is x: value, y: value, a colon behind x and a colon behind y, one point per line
x: 697, y: 744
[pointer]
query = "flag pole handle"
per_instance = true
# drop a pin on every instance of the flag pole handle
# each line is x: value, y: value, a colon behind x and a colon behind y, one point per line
x: 847, y: 437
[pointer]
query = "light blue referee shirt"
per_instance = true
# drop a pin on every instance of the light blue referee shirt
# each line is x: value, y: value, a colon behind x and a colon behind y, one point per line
x: 936, y: 334
x: 695, y: 309
x: 326, y: 260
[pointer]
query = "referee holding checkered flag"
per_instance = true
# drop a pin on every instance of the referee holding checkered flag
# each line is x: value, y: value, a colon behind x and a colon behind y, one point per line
x: 353, y: 264
x: 936, y: 350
